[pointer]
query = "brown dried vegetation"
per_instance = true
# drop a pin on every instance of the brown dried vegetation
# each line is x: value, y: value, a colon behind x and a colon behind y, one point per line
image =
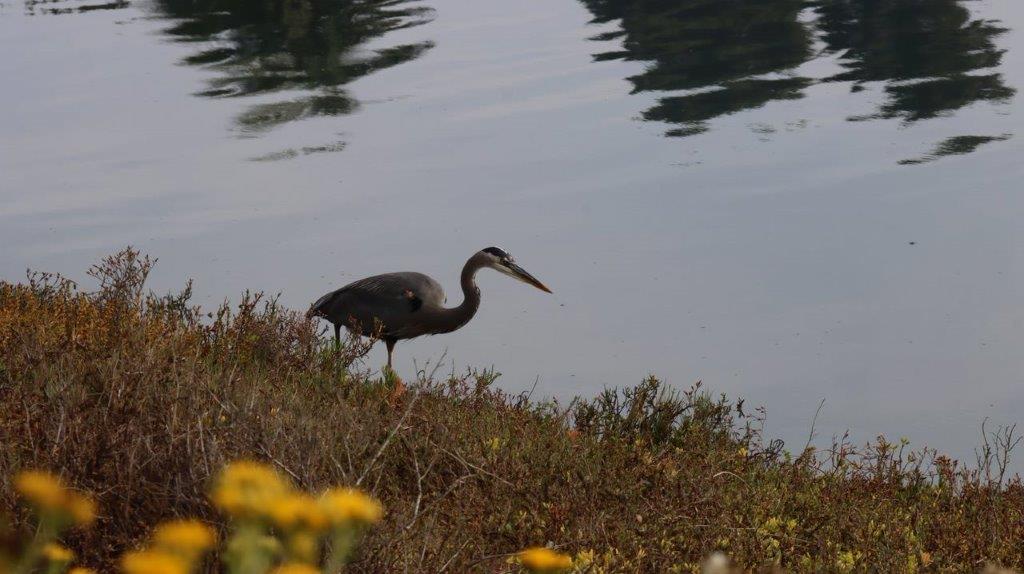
x: 140, y: 398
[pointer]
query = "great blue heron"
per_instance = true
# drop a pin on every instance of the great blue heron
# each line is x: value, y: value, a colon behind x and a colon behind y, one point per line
x: 403, y: 305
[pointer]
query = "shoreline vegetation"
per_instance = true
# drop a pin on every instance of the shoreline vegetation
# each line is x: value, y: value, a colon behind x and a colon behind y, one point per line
x: 141, y: 399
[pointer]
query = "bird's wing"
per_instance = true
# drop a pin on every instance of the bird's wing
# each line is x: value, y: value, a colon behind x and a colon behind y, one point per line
x: 393, y: 299
x: 408, y: 285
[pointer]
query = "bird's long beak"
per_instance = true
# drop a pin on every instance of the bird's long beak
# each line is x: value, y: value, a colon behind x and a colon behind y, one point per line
x: 521, y: 274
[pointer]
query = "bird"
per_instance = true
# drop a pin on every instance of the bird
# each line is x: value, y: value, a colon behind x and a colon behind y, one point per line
x: 407, y: 304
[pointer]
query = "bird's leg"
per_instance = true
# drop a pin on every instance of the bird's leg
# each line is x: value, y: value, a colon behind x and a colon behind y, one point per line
x: 337, y: 336
x: 391, y: 347
x: 399, y: 387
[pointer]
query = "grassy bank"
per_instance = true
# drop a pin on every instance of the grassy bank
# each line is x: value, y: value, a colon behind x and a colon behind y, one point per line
x: 141, y: 399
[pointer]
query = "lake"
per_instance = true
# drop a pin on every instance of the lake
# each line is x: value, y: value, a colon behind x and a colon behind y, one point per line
x: 789, y: 201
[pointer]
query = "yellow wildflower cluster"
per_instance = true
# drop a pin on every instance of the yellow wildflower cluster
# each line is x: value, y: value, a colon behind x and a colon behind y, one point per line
x: 175, y: 547
x: 246, y: 489
x: 347, y: 506
x: 297, y: 511
x: 261, y: 502
x: 57, y: 554
x: 48, y: 494
x: 544, y: 560
x: 57, y: 508
x: 275, y: 528
x: 153, y: 562
x: 187, y: 538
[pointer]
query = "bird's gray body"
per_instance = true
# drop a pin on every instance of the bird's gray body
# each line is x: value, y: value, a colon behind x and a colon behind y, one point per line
x: 403, y: 305
x: 397, y: 302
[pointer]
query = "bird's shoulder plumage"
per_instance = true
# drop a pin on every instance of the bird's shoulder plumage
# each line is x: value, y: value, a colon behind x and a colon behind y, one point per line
x: 394, y: 299
x: 401, y: 285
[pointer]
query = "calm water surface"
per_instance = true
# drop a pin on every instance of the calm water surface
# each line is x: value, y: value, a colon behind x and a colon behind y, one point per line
x: 788, y: 200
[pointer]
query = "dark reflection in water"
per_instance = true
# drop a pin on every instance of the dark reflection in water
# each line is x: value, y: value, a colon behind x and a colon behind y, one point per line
x: 928, y: 51
x: 956, y: 145
x: 311, y: 47
x: 35, y: 7
x: 308, y: 48
x: 727, y: 45
x: 706, y: 58
x: 728, y: 56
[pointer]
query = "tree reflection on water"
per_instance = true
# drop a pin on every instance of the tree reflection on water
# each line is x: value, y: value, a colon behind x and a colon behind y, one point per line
x: 309, y: 48
x: 726, y: 56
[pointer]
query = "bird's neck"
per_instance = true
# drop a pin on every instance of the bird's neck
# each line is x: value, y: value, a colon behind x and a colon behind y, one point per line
x: 456, y: 317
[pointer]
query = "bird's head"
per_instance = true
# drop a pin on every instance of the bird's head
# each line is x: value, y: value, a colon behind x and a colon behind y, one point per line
x: 501, y: 261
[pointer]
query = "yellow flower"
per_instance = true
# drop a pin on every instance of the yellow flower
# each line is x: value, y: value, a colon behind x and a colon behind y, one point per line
x: 152, y: 562
x: 57, y: 553
x: 246, y: 489
x: 48, y: 493
x: 41, y: 489
x: 81, y: 508
x: 295, y: 568
x: 80, y: 570
x: 186, y: 537
x: 297, y: 511
x: 350, y: 506
x: 544, y: 560
x: 243, y: 472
